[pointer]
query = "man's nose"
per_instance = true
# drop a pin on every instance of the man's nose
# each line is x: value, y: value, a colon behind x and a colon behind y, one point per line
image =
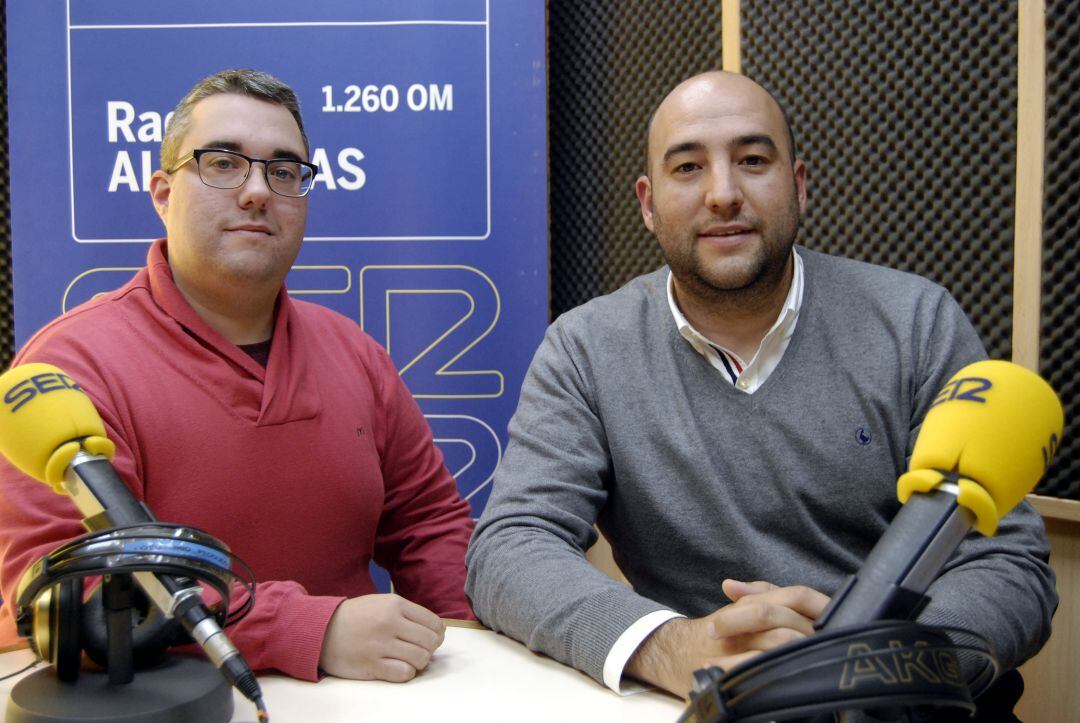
x: 723, y: 195
x: 255, y: 190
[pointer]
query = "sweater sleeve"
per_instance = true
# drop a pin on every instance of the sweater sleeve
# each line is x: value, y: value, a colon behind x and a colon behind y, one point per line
x: 284, y: 630
x: 999, y: 587
x: 425, y: 524
x: 528, y: 576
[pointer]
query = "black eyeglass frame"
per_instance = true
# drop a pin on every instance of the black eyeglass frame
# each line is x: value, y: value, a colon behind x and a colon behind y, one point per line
x: 198, y: 153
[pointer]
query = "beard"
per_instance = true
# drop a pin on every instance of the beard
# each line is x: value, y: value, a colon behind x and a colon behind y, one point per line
x: 752, y: 274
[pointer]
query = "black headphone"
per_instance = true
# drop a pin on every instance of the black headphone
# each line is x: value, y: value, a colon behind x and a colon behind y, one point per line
x: 59, y: 625
x: 52, y: 625
x: 897, y: 667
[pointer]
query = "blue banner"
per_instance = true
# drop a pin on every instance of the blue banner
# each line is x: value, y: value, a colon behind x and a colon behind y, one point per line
x: 427, y: 222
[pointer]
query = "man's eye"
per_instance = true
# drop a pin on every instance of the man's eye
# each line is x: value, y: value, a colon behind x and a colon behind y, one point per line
x: 686, y: 167
x: 222, y: 163
x: 755, y: 161
x: 284, y: 173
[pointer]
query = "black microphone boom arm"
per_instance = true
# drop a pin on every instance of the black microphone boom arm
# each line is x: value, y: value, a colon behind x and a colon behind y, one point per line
x: 906, y: 560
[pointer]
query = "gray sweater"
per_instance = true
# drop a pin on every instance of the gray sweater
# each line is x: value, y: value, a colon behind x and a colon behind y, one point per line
x: 621, y: 423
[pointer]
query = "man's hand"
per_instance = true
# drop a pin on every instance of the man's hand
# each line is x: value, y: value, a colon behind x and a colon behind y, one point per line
x: 380, y: 637
x: 760, y: 617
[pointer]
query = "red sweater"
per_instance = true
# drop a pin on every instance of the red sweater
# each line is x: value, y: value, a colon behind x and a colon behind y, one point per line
x: 308, y: 469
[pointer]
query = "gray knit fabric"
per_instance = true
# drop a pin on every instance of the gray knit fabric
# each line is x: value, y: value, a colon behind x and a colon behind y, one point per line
x: 621, y: 423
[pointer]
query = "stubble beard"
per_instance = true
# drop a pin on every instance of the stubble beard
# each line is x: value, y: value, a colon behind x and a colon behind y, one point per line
x: 738, y: 282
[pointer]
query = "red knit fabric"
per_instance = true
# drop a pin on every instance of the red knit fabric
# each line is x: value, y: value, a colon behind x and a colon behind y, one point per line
x: 307, y: 469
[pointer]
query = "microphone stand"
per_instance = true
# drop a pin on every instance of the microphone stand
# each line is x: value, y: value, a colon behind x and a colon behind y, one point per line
x: 180, y: 688
x: 118, y: 598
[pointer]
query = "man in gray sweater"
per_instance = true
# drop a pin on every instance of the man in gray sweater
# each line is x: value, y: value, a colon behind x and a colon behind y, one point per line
x: 734, y: 424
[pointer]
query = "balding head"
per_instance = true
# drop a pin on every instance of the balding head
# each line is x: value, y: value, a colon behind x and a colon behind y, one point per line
x: 720, y: 89
x: 723, y: 193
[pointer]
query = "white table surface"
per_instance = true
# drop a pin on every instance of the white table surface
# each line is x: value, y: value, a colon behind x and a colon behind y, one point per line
x: 475, y: 676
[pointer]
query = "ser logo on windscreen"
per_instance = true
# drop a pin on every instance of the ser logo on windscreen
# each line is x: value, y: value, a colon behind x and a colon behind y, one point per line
x: 969, y: 389
x: 20, y: 394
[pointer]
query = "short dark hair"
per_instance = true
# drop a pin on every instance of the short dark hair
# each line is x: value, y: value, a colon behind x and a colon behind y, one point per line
x: 239, y: 81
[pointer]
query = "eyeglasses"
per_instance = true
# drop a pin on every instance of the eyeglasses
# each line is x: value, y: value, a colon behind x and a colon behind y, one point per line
x: 219, y: 168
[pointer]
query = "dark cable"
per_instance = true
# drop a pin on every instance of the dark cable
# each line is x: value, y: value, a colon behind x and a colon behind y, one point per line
x: 22, y: 670
x: 260, y: 707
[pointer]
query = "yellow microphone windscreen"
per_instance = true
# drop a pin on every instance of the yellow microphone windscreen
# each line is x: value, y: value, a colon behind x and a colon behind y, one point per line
x: 995, y: 424
x: 45, y: 417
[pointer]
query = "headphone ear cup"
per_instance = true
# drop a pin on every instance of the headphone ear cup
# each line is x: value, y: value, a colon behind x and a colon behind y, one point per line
x: 151, y: 636
x: 65, y: 625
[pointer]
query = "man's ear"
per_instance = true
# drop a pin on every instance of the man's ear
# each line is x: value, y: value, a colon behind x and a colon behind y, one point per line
x: 800, y: 185
x: 160, y: 188
x: 643, y: 189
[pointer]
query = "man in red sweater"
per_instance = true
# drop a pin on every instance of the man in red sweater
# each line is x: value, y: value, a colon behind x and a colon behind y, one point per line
x: 273, y: 424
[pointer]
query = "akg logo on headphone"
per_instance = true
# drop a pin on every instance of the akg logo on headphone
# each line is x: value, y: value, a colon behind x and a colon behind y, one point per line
x: 20, y: 394
x: 900, y: 665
